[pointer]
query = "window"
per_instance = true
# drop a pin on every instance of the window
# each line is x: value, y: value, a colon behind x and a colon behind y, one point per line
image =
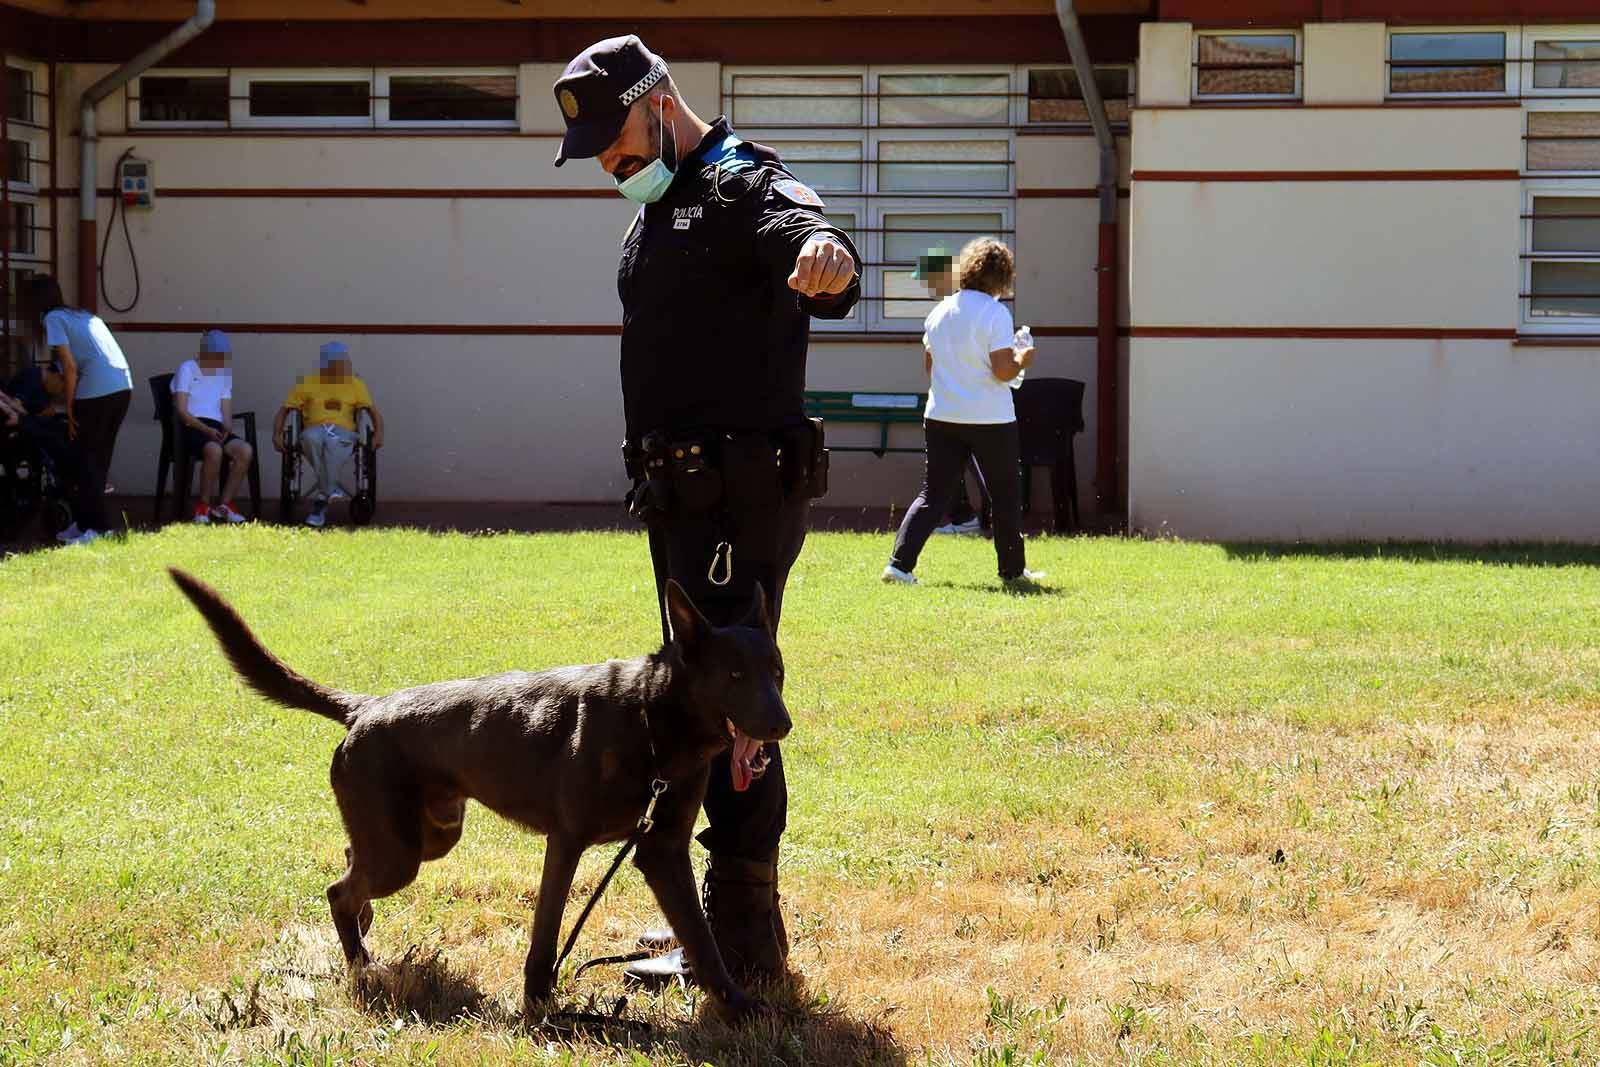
x: 1563, y: 262
x: 1246, y: 66
x: 944, y: 99
x: 457, y: 98
x: 1054, y: 94
x: 19, y: 93
x: 18, y: 235
x: 1561, y: 62
x: 180, y: 98
x: 1563, y: 139
x: 309, y: 98
x: 1560, y: 84
x: 910, y: 232
x: 906, y: 158
x: 1447, y: 63
x: 291, y: 99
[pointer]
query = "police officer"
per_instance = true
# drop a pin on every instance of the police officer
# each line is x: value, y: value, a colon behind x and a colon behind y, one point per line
x: 721, y: 268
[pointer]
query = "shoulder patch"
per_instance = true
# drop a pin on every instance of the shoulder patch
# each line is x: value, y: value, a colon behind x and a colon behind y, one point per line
x: 799, y: 192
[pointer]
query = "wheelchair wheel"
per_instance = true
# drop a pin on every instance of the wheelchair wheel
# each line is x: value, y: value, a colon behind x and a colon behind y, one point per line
x: 365, y: 502
x: 289, y: 485
x: 57, y: 516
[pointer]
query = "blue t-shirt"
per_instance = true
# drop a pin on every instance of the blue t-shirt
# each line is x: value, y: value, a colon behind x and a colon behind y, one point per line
x: 102, y: 368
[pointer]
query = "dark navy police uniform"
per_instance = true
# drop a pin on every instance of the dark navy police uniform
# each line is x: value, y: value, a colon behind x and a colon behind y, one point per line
x: 713, y: 381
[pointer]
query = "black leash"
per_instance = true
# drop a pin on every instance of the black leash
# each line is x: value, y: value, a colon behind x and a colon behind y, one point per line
x: 646, y: 823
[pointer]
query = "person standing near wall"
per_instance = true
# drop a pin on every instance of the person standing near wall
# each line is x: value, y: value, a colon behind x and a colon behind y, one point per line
x: 970, y: 352
x: 98, y: 385
x: 726, y: 260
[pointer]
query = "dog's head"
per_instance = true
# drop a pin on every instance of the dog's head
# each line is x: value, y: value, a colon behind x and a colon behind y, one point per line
x: 735, y: 672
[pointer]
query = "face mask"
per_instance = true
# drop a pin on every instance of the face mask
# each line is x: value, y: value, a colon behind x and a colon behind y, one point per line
x: 650, y: 182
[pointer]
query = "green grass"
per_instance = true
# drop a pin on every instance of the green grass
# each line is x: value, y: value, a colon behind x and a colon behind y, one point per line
x: 1187, y: 804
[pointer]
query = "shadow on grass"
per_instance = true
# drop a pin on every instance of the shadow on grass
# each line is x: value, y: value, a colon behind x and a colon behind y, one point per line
x: 1019, y: 589
x: 801, y: 1028
x: 1566, y: 555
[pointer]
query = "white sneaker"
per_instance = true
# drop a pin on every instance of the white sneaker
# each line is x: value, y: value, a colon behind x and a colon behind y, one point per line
x: 86, y: 538
x: 337, y: 495
x: 893, y: 575
x: 318, y: 516
x: 971, y: 526
x: 71, y: 533
x: 1027, y: 576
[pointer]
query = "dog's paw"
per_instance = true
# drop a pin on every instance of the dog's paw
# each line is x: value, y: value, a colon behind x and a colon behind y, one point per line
x: 737, y: 1008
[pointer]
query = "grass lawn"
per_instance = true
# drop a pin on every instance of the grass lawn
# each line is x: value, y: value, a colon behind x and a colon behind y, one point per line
x: 1191, y: 804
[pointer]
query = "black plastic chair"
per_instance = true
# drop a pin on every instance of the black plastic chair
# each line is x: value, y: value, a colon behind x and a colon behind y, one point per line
x: 175, y: 457
x: 1049, y: 416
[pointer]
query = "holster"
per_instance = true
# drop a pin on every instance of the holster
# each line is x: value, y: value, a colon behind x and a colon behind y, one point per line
x: 693, y: 473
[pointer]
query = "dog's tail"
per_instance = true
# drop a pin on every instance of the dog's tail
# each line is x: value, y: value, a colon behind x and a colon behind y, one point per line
x: 261, y: 670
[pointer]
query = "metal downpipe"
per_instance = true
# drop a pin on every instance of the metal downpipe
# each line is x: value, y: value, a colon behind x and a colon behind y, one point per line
x: 1108, y: 490
x: 88, y: 288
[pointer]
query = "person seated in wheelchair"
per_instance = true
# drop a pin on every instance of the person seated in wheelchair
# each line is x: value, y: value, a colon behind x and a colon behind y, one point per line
x: 202, y: 398
x: 329, y: 404
x: 33, y: 418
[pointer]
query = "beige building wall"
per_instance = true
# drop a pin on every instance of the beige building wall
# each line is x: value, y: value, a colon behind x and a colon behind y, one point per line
x: 498, y: 411
x: 1322, y: 352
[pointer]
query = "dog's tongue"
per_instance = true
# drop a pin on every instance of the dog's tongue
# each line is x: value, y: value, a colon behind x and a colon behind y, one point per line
x: 745, y: 752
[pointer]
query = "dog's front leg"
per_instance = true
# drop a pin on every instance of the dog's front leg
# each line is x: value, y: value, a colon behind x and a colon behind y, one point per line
x: 560, y: 864
x: 667, y: 870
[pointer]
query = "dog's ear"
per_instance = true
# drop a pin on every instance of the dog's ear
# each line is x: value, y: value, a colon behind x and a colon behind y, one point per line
x: 758, y: 616
x: 688, y: 625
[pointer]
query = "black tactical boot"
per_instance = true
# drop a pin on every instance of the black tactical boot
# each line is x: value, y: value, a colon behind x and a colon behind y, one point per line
x: 741, y: 904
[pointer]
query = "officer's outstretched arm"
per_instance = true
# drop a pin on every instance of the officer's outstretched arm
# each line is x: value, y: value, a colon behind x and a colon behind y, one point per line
x: 804, y: 251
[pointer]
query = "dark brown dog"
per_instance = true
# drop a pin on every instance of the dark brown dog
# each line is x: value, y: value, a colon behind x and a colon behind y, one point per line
x: 569, y: 753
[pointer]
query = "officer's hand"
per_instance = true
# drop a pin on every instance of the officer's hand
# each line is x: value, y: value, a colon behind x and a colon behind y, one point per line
x: 824, y: 267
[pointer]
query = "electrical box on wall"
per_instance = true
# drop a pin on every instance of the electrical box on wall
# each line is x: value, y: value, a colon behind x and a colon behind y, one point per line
x: 136, y: 182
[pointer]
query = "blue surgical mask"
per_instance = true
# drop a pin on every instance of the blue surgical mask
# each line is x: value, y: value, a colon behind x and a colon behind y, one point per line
x: 651, y: 181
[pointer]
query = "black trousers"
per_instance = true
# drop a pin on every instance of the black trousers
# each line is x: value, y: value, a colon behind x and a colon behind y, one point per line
x: 99, y: 422
x: 998, y: 451
x: 766, y: 527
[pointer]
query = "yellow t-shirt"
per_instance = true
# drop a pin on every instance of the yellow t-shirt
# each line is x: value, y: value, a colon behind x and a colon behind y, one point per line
x: 320, y: 401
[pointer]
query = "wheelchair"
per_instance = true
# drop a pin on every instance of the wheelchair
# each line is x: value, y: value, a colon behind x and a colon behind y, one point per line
x: 30, y: 487
x: 363, y: 497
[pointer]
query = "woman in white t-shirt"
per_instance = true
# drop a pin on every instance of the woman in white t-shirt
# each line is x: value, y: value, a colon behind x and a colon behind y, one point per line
x: 202, y: 393
x: 971, y: 357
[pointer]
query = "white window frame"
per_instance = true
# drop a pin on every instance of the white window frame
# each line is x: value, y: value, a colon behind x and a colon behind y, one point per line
x: 1513, y: 36
x: 871, y: 203
x: 1197, y: 97
x: 40, y: 73
x: 1563, y: 188
x: 37, y: 143
x: 993, y: 70
x: 35, y: 134
x: 1531, y: 36
x: 240, y: 80
x: 381, y: 98
x: 1019, y: 115
x: 136, y: 94
x: 769, y: 71
x: 878, y: 318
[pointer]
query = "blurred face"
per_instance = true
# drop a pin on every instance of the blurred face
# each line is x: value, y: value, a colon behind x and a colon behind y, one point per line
x: 337, y: 371
x: 212, y: 360
x: 639, y: 143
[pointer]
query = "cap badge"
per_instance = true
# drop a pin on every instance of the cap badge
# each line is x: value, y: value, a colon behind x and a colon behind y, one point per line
x: 569, y: 103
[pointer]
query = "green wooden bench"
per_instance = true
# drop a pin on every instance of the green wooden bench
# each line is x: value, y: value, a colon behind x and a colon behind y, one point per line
x: 880, y: 409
